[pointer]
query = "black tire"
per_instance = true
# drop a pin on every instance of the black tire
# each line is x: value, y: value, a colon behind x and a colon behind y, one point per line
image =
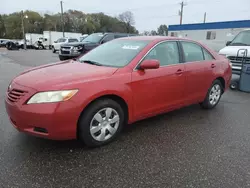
x: 206, y: 104
x: 40, y: 47
x: 234, y: 85
x: 63, y: 58
x: 53, y: 50
x: 84, y: 123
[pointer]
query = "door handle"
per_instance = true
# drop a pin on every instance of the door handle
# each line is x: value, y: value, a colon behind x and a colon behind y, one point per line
x: 213, y: 65
x: 179, y: 71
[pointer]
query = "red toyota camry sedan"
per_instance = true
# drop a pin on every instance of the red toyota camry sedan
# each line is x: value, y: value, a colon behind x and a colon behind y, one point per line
x: 117, y: 83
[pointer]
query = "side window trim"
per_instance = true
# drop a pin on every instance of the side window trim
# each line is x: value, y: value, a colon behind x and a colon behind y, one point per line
x: 202, y: 49
x: 180, y: 58
x: 204, y: 59
x: 181, y: 52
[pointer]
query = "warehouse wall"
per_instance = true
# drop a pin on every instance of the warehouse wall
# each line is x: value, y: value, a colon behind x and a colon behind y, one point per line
x: 221, y: 36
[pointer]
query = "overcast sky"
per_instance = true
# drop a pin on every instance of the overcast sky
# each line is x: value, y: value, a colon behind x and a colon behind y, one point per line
x: 149, y: 14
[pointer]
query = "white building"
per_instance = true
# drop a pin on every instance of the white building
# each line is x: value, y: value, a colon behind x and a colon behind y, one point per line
x: 213, y: 34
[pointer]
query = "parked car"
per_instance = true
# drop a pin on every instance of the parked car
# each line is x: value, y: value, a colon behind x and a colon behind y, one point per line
x: 57, y: 44
x: 12, y: 45
x: 235, y: 50
x: 119, y: 82
x: 73, y: 50
x: 83, y: 37
x: 3, y: 42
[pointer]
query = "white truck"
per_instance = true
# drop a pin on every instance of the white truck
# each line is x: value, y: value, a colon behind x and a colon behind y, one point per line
x: 49, y: 37
x: 236, y: 49
x: 31, y: 38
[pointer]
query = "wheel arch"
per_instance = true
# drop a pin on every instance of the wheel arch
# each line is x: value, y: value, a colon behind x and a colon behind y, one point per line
x: 223, y: 82
x: 120, y: 100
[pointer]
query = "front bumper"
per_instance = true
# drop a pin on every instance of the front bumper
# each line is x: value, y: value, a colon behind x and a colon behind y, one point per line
x: 57, y: 121
x: 69, y: 52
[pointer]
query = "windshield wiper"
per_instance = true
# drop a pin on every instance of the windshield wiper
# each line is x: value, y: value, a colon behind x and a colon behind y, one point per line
x: 91, y: 62
x: 239, y: 43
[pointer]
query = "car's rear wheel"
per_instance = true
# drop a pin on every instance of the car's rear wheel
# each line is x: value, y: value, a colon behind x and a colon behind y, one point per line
x: 213, y: 95
x: 101, y: 123
x: 234, y: 85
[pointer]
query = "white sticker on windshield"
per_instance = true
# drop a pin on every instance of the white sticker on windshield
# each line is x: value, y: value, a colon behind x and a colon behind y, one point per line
x: 129, y: 47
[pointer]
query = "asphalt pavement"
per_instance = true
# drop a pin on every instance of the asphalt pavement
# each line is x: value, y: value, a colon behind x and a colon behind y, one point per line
x: 189, y: 147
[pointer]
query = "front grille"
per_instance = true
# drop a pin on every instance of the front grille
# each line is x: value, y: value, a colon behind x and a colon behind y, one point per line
x: 66, y: 47
x: 15, y: 95
x: 237, y: 63
x: 235, y: 59
x: 65, y: 52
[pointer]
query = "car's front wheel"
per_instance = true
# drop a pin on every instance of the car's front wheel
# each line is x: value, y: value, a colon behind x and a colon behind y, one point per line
x: 63, y: 58
x: 213, y: 95
x: 101, y: 123
x: 53, y: 50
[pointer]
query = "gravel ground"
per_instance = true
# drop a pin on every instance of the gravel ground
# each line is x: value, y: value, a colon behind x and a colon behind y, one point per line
x: 189, y: 147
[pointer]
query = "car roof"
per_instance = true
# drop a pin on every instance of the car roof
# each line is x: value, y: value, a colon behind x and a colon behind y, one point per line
x: 116, y: 33
x: 154, y: 38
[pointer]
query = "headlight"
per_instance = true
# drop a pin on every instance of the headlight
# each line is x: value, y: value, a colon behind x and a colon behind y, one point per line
x: 77, y: 48
x: 231, y: 65
x: 9, y: 87
x: 52, y: 96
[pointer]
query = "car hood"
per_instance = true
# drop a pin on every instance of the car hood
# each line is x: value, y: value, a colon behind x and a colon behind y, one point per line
x: 58, y: 43
x: 62, y: 75
x: 233, y: 50
x: 77, y: 43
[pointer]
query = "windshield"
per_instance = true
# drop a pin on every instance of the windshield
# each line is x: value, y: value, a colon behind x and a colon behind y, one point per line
x: 61, y: 40
x: 243, y: 38
x: 116, y: 53
x: 95, y: 38
x: 82, y: 38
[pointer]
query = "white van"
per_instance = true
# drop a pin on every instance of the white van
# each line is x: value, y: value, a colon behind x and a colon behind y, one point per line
x: 236, y: 49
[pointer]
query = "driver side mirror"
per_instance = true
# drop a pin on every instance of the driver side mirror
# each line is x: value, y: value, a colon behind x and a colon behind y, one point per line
x: 149, y: 64
x: 228, y: 42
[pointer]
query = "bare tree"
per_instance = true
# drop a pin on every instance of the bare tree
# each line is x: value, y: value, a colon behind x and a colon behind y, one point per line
x: 128, y: 19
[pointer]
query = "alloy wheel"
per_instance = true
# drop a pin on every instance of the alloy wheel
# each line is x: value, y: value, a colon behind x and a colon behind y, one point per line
x: 215, y: 94
x: 104, y: 124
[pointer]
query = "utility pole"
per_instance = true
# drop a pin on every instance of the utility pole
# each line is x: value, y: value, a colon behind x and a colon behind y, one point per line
x: 62, y: 20
x: 205, y: 16
x: 23, y: 30
x: 181, y: 11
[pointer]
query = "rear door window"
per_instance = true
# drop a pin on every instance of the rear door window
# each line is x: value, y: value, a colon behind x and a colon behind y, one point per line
x: 120, y: 36
x: 192, y: 52
x: 207, y: 55
x: 107, y: 38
